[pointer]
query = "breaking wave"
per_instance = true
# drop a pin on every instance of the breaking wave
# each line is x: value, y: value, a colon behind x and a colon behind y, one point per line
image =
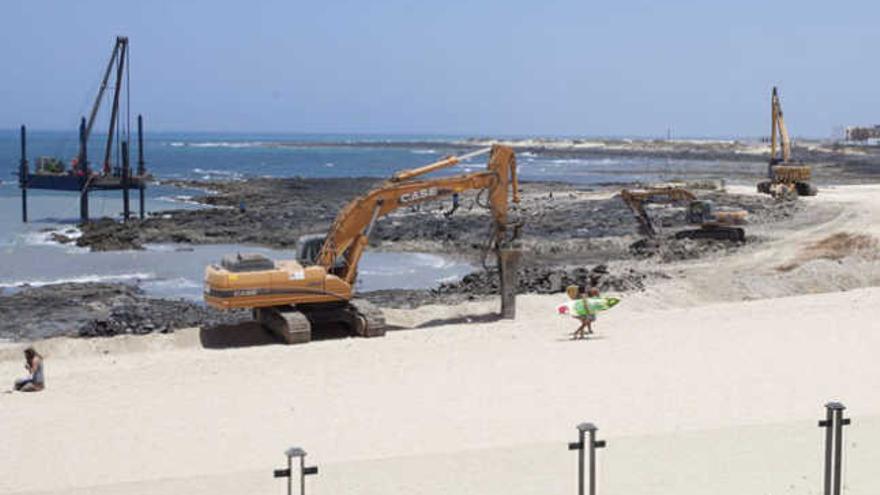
x: 218, y: 144
x: 82, y: 279
x: 215, y: 174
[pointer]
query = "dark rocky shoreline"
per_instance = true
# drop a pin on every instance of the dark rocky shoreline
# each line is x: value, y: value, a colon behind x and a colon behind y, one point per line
x: 98, y: 309
x: 276, y: 212
x: 107, y: 309
x: 562, y: 223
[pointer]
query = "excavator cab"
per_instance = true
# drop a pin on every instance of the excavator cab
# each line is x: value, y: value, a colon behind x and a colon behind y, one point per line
x: 700, y: 212
x: 308, y: 247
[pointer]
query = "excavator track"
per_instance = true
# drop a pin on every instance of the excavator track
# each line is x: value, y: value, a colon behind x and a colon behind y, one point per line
x: 294, y: 325
x: 286, y: 322
x: 732, y: 234
x: 369, y: 320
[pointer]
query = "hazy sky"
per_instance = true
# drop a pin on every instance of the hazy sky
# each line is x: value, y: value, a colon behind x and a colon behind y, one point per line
x: 611, y: 68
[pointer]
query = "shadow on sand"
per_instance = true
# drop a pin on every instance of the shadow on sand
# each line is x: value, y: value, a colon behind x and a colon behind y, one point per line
x: 251, y: 334
x: 481, y: 318
x: 243, y: 334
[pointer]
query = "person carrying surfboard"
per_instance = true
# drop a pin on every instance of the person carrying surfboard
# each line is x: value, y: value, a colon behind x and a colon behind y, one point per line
x: 587, y: 316
x: 584, y: 305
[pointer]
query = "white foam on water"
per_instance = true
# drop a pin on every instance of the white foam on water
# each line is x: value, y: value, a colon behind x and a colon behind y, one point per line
x: 564, y: 161
x: 169, y: 248
x: 213, y: 171
x: 423, y: 152
x: 82, y: 279
x: 180, y: 199
x: 45, y: 238
x: 218, y: 144
x: 450, y: 279
x: 215, y: 174
x: 174, y: 287
x: 432, y: 260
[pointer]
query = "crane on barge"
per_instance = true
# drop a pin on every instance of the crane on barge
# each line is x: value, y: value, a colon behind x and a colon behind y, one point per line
x: 51, y: 174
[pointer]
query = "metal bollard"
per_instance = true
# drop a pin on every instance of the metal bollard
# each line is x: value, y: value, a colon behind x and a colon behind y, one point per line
x: 580, y: 446
x: 303, y: 470
x: 833, y: 424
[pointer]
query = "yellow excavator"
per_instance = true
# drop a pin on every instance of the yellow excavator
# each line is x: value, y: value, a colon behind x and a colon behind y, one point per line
x: 714, y: 223
x: 786, y: 179
x: 290, y: 297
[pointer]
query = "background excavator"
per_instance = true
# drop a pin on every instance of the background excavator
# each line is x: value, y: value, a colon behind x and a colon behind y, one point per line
x: 714, y: 223
x: 289, y: 297
x: 785, y: 179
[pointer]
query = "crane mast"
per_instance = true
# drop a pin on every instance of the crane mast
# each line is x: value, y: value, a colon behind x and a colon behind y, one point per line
x: 118, y: 60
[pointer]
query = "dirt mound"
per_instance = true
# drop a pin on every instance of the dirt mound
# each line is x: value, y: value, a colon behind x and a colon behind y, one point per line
x: 835, y: 247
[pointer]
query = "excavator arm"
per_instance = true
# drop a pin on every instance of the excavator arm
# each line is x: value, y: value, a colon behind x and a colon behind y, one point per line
x: 785, y: 178
x: 349, y: 234
x: 778, y: 129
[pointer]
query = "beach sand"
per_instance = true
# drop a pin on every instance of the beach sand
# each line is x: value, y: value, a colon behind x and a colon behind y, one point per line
x: 696, y: 391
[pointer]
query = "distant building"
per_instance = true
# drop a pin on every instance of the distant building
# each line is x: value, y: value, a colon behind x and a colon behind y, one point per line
x: 868, y: 135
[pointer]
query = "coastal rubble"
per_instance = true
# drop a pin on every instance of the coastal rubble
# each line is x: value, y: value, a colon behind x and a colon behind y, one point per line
x: 99, y: 309
x: 276, y: 212
x: 572, y: 235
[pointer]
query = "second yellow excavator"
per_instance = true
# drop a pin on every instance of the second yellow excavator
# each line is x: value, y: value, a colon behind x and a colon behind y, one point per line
x: 785, y: 179
x: 290, y: 296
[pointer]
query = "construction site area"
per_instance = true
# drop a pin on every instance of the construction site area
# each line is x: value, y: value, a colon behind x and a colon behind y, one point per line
x: 471, y: 315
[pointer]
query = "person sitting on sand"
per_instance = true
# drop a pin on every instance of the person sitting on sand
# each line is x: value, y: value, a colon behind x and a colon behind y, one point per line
x: 589, y: 316
x: 34, y: 366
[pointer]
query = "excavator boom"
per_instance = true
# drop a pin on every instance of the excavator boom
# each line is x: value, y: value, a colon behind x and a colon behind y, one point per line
x: 350, y: 231
x: 779, y: 129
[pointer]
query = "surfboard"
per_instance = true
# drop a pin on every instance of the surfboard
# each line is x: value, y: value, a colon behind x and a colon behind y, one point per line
x: 576, y: 308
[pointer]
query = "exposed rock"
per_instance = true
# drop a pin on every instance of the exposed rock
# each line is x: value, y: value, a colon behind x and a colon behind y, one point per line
x: 99, y: 309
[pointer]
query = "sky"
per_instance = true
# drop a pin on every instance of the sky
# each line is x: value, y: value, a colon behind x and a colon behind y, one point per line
x: 572, y: 68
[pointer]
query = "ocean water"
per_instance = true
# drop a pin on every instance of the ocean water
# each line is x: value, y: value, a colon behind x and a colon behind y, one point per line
x: 234, y: 156
x: 168, y: 271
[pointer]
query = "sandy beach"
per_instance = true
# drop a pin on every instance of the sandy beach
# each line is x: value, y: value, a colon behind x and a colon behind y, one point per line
x: 697, y: 383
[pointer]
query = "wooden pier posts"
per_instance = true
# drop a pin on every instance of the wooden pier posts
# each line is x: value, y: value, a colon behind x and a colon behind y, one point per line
x: 141, y: 167
x: 23, y: 172
x: 84, y: 173
x: 80, y: 179
x: 126, y: 175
